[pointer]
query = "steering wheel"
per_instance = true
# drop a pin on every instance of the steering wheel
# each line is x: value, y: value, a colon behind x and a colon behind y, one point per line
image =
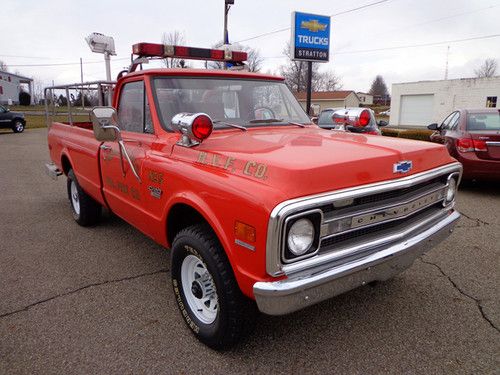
x: 264, y: 109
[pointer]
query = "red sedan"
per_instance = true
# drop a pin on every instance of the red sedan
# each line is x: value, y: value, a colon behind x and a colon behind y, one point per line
x: 473, y: 138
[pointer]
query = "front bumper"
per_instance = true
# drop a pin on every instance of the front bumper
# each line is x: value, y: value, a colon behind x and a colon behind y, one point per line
x: 312, y: 286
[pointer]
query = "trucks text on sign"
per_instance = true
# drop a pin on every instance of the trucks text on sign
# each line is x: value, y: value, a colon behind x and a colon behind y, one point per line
x: 310, y: 37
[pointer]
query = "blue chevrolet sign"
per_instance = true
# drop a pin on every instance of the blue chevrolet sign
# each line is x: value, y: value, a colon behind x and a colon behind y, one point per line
x: 310, y: 37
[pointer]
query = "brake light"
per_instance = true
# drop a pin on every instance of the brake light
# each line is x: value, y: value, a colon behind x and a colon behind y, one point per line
x: 364, y: 118
x: 471, y: 145
x: 465, y: 145
x: 479, y: 145
x: 202, y: 127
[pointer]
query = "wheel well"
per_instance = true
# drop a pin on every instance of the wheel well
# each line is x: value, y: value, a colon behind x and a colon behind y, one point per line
x: 66, y: 165
x: 181, y: 216
x: 18, y: 119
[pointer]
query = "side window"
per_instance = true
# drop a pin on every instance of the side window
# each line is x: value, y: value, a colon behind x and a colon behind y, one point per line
x: 454, y: 121
x: 131, y: 107
x: 447, y: 121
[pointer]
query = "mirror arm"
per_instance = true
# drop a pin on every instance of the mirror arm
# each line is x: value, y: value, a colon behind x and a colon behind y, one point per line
x: 123, y: 151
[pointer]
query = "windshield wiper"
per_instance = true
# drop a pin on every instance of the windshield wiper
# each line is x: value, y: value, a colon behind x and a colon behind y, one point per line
x: 273, y: 120
x: 230, y: 124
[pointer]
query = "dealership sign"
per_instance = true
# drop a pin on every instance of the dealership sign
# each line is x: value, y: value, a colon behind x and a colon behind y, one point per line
x: 310, y: 37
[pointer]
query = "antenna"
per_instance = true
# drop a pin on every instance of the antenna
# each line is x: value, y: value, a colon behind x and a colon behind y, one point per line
x: 447, y: 59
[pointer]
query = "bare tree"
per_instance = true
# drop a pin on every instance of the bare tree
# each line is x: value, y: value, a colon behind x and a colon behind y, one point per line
x: 38, y: 87
x: 378, y: 88
x: 3, y: 66
x: 487, y: 69
x: 175, y: 38
x: 254, y: 59
x: 295, y: 73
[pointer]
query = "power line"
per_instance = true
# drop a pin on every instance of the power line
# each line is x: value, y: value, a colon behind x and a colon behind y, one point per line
x: 405, y: 46
x: 419, y: 45
x: 331, y: 15
x: 65, y: 64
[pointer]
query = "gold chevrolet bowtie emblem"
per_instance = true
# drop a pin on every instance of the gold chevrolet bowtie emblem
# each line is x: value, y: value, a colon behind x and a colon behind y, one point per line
x: 313, y: 25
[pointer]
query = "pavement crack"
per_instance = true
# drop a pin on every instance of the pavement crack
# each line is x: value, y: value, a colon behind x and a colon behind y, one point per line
x: 479, y: 222
x: 462, y: 292
x: 82, y: 288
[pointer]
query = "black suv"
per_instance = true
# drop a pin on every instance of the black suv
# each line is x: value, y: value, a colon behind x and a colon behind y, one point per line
x: 12, y: 120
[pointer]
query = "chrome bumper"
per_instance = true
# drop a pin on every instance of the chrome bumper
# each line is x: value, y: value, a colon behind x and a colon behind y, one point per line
x: 312, y: 286
x: 52, y: 171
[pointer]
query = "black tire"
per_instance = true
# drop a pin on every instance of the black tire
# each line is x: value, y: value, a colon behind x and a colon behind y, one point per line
x: 18, y: 126
x: 235, y: 314
x: 88, y: 212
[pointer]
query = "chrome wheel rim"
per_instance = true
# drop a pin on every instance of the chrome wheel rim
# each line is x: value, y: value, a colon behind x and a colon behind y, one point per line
x: 19, y: 126
x: 74, y: 198
x: 199, y: 289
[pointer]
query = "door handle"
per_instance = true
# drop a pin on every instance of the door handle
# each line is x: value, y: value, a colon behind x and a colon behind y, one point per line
x: 105, y: 147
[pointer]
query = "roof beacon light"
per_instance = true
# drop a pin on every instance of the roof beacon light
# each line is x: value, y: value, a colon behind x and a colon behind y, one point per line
x: 193, y: 53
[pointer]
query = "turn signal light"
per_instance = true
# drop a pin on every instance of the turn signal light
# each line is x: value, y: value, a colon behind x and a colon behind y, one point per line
x: 244, y: 232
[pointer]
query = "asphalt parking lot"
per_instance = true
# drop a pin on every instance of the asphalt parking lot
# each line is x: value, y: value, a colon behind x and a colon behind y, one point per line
x: 75, y: 300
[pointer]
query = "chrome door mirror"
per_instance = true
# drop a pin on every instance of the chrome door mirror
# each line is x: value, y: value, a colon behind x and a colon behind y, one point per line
x: 433, y: 126
x: 105, y: 124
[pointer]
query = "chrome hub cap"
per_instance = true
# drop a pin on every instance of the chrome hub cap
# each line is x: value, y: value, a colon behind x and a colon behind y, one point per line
x: 199, y: 289
x: 74, y: 198
x: 19, y: 126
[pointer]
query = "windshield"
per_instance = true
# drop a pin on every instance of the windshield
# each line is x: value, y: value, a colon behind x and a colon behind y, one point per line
x: 237, y: 101
x: 483, y: 121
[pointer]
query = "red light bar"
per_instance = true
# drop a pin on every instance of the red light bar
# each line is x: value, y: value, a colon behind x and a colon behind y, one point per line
x: 193, y: 53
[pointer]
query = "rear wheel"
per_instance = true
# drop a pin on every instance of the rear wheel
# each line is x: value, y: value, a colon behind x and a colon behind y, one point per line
x: 86, y: 211
x: 206, y: 291
x: 18, y: 126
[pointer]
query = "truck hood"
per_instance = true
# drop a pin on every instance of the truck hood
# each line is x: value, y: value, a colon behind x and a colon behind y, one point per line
x: 304, y: 161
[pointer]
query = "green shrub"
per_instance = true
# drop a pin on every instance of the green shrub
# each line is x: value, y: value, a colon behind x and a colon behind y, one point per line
x: 418, y: 134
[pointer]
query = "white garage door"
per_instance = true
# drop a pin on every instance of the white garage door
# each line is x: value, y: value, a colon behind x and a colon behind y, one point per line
x: 416, y: 109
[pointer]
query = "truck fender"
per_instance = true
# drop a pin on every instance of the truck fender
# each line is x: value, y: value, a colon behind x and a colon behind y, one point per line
x: 197, y: 203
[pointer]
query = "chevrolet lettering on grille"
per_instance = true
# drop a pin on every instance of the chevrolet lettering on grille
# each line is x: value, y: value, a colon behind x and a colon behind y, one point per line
x: 397, y: 211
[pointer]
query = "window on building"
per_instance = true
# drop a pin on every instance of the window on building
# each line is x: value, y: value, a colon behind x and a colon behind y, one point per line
x: 491, y: 102
x: 1, y: 90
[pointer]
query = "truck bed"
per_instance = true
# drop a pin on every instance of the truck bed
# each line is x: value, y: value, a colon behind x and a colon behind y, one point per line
x: 74, y: 146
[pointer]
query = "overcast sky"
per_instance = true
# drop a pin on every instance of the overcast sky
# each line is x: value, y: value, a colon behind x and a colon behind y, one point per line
x: 52, y: 32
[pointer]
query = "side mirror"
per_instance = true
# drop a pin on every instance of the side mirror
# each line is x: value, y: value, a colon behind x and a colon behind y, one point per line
x: 7, y: 110
x: 105, y: 123
x: 433, y: 126
x: 382, y: 123
x: 314, y: 120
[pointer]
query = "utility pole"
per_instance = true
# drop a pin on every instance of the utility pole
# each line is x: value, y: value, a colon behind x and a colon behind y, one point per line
x: 447, y: 59
x: 309, y: 87
x: 81, y: 79
x: 225, y: 38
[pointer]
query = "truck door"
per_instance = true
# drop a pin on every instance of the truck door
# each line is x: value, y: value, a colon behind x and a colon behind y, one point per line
x: 122, y: 190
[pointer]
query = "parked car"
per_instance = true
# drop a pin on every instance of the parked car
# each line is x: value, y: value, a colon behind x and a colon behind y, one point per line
x: 12, y: 120
x: 473, y: 138
x: 385, y: 113
x: 355, y: 120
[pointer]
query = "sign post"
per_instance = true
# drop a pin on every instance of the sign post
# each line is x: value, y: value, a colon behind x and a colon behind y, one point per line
x: 310, y: 42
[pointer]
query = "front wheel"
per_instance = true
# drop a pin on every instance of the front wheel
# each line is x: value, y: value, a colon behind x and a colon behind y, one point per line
x: 18, y: 126
x: 206, y: 291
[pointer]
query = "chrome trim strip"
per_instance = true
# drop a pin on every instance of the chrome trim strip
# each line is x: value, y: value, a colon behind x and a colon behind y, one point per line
x: 282, y: 210
x: 383, y: 208
x: 359, y: 248
x: 305, y: 289
x: 492, y: 143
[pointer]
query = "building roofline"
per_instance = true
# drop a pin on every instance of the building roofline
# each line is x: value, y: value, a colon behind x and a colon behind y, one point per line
x: 447, y: 80
x: 16, y: 75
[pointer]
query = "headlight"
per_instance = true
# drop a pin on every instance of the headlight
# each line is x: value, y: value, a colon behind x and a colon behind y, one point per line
x: 300, y: 237
x: 452, y: 189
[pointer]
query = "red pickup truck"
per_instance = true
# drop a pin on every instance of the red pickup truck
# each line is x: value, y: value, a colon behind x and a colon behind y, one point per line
x: 255, y: 202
